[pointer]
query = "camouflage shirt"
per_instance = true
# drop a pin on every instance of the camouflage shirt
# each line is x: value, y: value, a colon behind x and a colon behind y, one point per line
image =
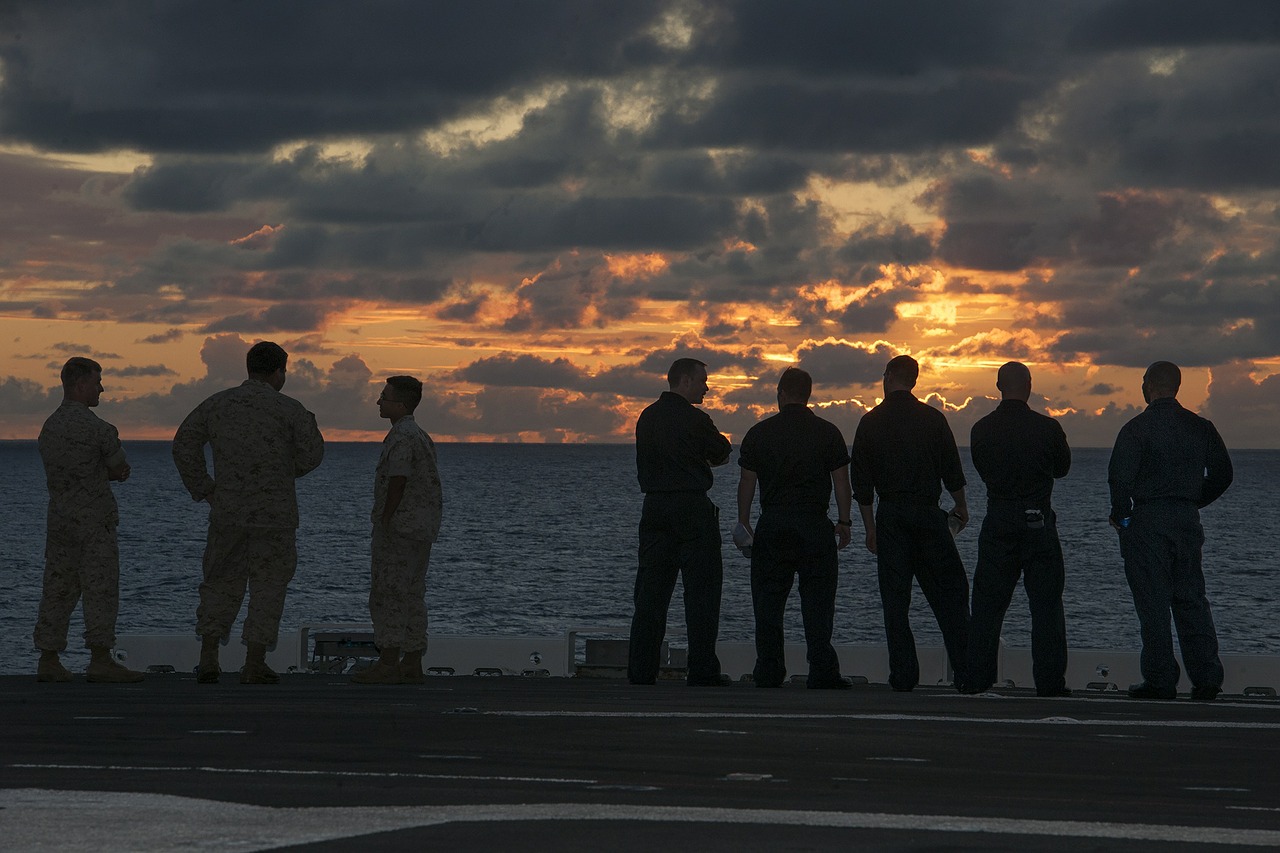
x: 77, y: 448
x: 409, y: 452
x: 262, y: 441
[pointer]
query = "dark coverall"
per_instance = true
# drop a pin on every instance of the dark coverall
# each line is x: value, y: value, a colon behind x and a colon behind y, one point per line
x: 793, y: 454
x: 676, y: 445
x: 1166, y: 465
x: 1019, y: 453
x: 904, y: 452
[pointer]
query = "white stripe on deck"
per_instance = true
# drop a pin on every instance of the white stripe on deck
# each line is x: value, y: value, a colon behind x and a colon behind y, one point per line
x: 897, y: 718
x: 251, y: 771
x: 149, y: 822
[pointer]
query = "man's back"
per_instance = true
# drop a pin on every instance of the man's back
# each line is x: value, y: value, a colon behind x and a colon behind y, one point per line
x: 676, y: 445
x: 904, y: 449
x: 1019, y: 452
x: 262, y: 441
x: 75, y: 445
x: 793, y: 454
x: 1168, y: 453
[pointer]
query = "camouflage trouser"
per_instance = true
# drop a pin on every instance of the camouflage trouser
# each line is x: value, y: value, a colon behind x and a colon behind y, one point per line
x: 397, y: 593
x: 261, y: 558
x: 79, y: 561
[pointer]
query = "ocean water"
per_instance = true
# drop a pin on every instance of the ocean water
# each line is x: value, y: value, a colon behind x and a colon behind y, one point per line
x: 540, y: 538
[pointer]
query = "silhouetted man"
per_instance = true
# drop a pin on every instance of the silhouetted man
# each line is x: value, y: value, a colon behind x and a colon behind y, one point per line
x: 262, y: 441
x: 676, y: 447
x: 81, y: 455
x: 1166, y: 465
x: 797, y: 458
x: 1018, y: 454
x: 904, y: 452
x: 407, y: 506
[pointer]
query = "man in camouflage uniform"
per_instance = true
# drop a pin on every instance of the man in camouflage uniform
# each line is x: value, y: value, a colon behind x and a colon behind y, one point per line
x: 406, y: 519
x: 81, y: 454
x: 262, y: 441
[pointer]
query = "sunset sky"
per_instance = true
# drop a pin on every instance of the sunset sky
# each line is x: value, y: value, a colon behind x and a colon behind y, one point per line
x: 535, y: 207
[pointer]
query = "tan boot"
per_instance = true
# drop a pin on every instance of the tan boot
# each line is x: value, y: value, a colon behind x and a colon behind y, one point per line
x: 103, y: 670
x: 258, y: 673
x: 208, y: 670
x: 385, y: 671
x: 51, y: 670
x: 411, y: 668
x: 380, y: 673
x: 255, y: 669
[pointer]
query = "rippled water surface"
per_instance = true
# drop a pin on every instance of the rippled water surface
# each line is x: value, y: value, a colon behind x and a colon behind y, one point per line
x: 538, y: 538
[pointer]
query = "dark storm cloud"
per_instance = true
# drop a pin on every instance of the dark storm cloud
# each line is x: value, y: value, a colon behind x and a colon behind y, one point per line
x: 573, y: 291
x: 891, y: 244
x: 627, y: 222
x: 190, y: 76
x: 144, y: 370
x: 737, y: 174
x: 1245, y: 410
x: 464, y: 311
x: 1201, y: 119
x: 1000, y: 224
x: 835, y: 38
x: 163, y: 337
x: 296, y: 317
x: 1169, y: 23
x: 530, y: 371
x: 24, y: 397
x: 842, y: 365
x: 835, y: 117
x: 658, y: 361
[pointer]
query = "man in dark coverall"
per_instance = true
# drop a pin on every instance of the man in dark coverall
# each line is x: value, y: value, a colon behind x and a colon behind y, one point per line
x: 797, y: 457
x: 676, y: 447
x: 1166, y: 465
x: 1019, y: 453
x: 904, y: 452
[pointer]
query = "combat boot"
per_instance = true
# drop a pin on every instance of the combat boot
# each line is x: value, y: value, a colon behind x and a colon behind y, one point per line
x: 380, y: 673
x: 208, y: 670
x: 385, y: 671
x: 255, y: 669
x: 50, y: 669
x: 257, y: 672
x: 103, y: 670
x: 411, y: 668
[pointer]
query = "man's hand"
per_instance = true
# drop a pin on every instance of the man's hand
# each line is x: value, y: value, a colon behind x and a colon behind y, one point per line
x: 120, y: 474
x: 844, y: 535
x: 871, y: 539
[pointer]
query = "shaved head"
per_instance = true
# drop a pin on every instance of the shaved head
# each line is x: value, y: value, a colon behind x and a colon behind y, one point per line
x: 1014, y: 381
x: 1162, y: 379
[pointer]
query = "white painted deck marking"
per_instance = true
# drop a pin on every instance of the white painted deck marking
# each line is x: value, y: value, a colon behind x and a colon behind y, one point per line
x: 922, y: 718
x: 255, y: 771
x: 147, y: 822
x: 897, y: 758
x: 1217, y: 790
x: 218, y: 732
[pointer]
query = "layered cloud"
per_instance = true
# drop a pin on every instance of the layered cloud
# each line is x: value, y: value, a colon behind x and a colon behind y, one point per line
x: 536, y: 207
